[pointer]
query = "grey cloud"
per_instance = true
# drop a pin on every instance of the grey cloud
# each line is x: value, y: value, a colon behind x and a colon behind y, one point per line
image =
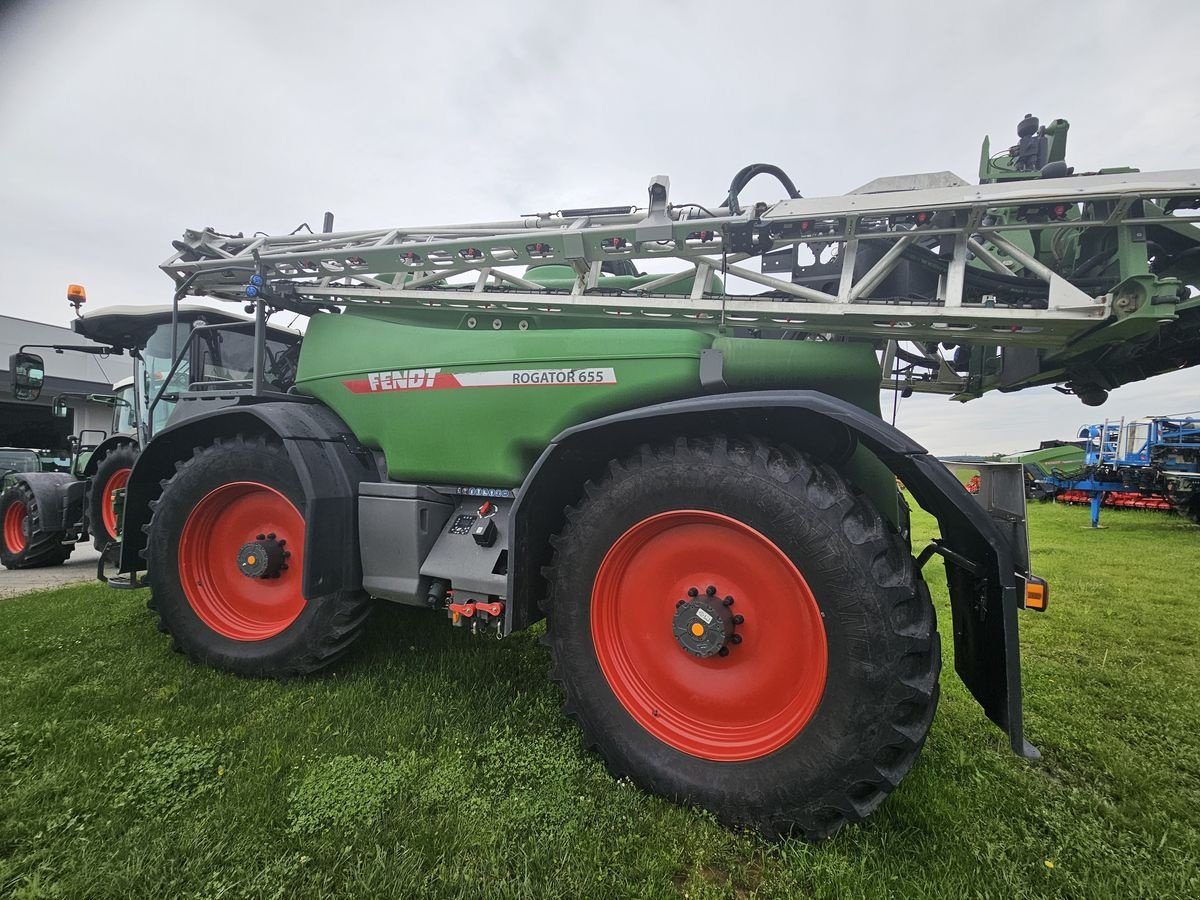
x: 122, y: 123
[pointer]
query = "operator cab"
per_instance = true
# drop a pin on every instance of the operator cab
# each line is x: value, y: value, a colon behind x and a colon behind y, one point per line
x: 214, y: 360
x: 124, y: 420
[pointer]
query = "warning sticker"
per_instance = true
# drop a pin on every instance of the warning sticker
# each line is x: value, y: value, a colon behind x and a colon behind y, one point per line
x: 436, y: 379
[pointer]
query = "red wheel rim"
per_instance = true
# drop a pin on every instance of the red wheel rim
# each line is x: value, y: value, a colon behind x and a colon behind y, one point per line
x: 108, y: 510
x: 736, y: 707
x: 230, y: 603
x: 14, y: 526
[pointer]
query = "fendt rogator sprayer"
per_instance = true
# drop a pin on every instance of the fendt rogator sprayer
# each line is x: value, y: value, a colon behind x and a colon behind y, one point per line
x: 505, y: 421
x: 44, y: 515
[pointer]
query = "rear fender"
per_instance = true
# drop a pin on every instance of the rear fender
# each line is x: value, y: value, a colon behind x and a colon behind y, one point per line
x: 328, y: 461
x: 984, y: 601
x: 59, y: 497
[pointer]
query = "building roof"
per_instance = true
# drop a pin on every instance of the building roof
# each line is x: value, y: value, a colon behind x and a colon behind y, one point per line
x: 83, y: 371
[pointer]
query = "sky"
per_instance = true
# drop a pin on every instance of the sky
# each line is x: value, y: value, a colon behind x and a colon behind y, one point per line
x: 124, y: 122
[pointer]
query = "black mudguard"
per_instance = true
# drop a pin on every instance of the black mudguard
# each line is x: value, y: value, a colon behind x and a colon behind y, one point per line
x: 984, y: 602
x: 328, y: 460
x: 59, y: 497
x: 104, y: 448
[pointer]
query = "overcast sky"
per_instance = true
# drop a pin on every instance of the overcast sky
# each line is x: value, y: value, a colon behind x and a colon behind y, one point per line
x: 123, y: 122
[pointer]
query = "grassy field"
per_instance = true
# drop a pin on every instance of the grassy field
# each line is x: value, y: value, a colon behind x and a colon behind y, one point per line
x: 434, y: 763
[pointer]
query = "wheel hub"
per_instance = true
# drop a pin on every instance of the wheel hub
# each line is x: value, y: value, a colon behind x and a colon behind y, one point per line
x: 264, y: 557
x: 704, y: 624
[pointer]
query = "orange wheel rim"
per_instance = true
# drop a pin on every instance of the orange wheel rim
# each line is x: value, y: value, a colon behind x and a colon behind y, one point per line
x: 241, y: 555
x: 108, y: 503
x: 754, y: 696
x: 15, y: 521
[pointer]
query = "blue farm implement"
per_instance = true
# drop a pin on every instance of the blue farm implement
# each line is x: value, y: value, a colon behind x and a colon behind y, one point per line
x: 1141, y: 464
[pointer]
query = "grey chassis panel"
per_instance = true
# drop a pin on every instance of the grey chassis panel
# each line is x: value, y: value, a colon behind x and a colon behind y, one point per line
x: 413, y: 534
x: 59, y: 497
x: 983, y: 605
x: 398, y: 524
x: 466, y: 565
x: 327, y: 458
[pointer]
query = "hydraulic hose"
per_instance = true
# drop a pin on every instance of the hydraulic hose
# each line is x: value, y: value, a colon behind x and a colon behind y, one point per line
x: 746, y: 174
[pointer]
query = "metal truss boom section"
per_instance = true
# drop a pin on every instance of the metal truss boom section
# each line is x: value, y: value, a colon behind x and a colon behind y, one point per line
x: 962, y: 230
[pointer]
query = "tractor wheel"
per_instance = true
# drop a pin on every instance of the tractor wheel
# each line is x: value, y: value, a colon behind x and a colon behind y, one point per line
x: 225, y: 559
x: 111, y: 475
x: 23, y: 545
x: 735, y: 628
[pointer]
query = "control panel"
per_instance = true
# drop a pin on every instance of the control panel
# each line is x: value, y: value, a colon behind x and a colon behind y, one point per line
x: 462, y: 524
x: 470, y: 552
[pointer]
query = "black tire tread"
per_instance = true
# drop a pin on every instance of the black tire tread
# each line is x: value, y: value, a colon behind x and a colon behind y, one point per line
x: 118, y: 457
x: 45, y: 548
x: 344, y: 612
x: 911, y: 623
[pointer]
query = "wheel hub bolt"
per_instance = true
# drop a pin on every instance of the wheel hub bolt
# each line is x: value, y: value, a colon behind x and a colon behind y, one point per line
x: 704, y: 626
x: 262, y: 558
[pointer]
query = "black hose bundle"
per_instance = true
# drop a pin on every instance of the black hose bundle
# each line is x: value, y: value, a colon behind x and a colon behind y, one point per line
x: 748, y: 173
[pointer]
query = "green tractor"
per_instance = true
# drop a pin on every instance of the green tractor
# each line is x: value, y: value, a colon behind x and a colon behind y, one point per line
x: 45, y: 514
x: 682, y: 469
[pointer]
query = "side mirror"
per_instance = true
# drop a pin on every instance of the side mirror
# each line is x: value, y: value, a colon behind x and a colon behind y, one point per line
x: 59, y: 409
x: 28, y: 375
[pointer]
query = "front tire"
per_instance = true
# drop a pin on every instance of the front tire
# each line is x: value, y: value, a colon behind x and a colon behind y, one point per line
x: 111, y: 475
x: 23, y: 543
x: 225, y: 559
x: 819, y: 696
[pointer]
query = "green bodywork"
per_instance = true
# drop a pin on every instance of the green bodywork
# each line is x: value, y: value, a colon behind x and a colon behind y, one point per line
x: 1046, y: 459
x: 431, y: 429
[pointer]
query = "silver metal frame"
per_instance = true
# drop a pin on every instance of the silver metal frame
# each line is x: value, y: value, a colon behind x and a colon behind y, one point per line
x: 408, y: 266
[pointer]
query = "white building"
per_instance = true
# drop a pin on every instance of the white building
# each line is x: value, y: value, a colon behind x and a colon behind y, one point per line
x: 31, y: 424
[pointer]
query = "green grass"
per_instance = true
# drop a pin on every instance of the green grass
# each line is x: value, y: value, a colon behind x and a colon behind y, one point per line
x: 434, y: 763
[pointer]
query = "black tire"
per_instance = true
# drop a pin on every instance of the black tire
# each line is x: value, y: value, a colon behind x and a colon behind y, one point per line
x: 41, y: 548
x: 120, y: 459
x: 326, y: 626
x: 881, y: 690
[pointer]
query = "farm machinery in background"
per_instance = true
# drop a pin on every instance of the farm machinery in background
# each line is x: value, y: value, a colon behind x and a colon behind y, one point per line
x: 685, y: 472
x: 1035, y: 465
x: 1149, y: 463
x: 44, y: 514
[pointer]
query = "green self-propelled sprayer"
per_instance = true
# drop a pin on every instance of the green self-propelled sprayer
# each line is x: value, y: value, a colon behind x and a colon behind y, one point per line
x: 683, y: 470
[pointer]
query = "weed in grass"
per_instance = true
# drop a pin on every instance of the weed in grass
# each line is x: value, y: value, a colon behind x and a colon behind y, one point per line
x: 345, y: 793
x: 165, y: 776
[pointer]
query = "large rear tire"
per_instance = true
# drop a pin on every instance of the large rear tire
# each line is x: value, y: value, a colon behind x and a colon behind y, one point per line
x: 111, y: 475
x: 23, y: 543
x: 225, y: 559
x: 797, y: 707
